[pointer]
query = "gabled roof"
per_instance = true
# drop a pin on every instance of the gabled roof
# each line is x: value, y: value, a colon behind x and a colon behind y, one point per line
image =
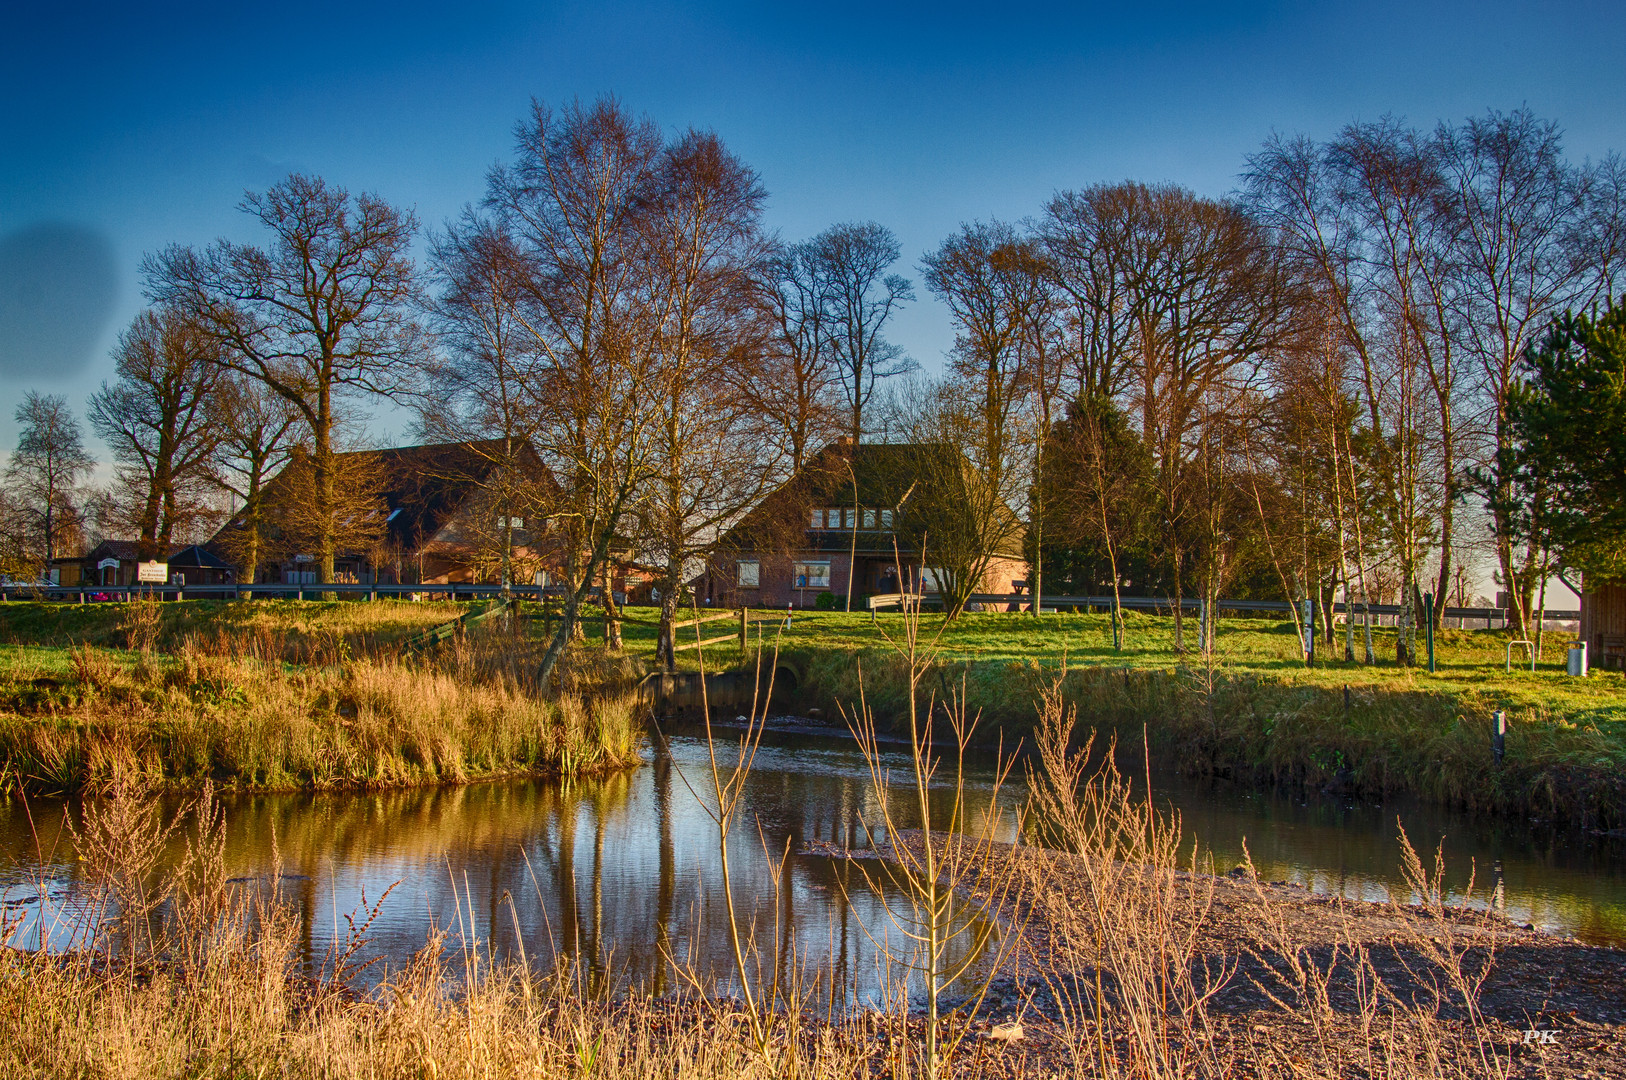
x: 424, y: 487
x: 886, y: 475
x: 197, y: 555
x: 122, y: 550
x: 130, y: 551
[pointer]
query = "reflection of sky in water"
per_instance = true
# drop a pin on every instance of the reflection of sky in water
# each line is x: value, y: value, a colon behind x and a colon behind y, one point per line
x: 616, y: 871
x: 621, y: 870
x: 1559, y: 880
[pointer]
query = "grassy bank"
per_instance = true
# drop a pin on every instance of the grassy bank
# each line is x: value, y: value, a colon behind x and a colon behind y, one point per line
x: 1256, y: 713
x: 280, y: 697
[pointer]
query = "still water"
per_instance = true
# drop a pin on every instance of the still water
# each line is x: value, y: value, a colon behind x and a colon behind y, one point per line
x: 622, y: 872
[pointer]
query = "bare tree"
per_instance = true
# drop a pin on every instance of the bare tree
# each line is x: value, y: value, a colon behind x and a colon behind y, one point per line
x: 482, y: 386
x: 324, y: 312
x: 158, y: 422
x: 575, y: 200
x: 1357, y: 218
x: 1088, y: 246
x: 1439, y: 253
x: 352, y: 518
x: 958, y: 513
x: 794, y: 388
x: 1203, y: 297
x: 45, y: 473
x: 705, y: 256
x: 989, y: 276
x: 860, y: 298
x: 1533, y: 236
x: 257, y: 427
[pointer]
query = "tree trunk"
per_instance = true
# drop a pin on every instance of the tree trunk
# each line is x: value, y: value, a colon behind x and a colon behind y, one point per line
x: 322, y: 461
x: 666, y: 643
x: 568, y: 621
x: 612, y: 611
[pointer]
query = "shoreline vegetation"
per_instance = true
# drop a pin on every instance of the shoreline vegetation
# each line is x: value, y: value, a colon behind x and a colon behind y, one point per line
x: 169, y: 690
x: 1254, y: 713
x: 1123, y: 953
x: 288, y: 698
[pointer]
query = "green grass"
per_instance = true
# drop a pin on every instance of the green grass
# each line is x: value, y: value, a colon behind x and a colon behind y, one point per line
x: 1257, y: 714
x: 287, y: 696
x: 1466, y: 659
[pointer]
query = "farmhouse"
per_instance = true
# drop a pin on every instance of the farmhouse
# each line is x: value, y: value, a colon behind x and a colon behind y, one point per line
x: 114, y: 563
x: 433, y: 514
x: 852, y: 517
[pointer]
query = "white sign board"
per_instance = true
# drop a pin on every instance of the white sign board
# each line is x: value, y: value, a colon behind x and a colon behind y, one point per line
x: 155, y: 573
x: 108, y: 564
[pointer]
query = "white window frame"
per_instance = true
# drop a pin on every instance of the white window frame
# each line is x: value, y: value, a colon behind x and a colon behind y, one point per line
x: 818, y: 518
x: 811, y: 574
x: 751, y: 580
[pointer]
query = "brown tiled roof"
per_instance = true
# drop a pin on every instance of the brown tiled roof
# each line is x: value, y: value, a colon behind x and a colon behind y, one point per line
x: 886, y: 475
x: 428, y: 484
x: 130, y: 551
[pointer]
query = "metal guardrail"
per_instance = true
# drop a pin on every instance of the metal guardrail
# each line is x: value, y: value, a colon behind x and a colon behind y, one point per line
x: 347, y: 590
x: 1159, y: 603
x: 459, y: 591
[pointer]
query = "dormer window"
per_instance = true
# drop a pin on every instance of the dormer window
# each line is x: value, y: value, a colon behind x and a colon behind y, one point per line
x: 394, y: 514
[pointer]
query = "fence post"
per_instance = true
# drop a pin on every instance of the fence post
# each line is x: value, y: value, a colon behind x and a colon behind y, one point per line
x: 1308, y: 608
x: 1498, y: 735
x: 744, y: 633
x: 1428, y: 628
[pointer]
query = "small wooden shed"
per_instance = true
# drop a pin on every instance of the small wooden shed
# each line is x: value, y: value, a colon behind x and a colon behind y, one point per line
x: 1603, y: 624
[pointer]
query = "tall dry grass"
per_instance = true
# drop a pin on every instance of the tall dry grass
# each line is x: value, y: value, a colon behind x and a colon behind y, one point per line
x: 1148, y: 983
x: 232, y: 711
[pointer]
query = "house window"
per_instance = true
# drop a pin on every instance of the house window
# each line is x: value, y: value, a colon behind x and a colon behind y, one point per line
x: 869, y: 519
x: 851, y: 519
x: 818, y: 519
x: 394, y: 514
x: 506, y: 522
x: 812, y: 575
x: 748, y: 573
x: 886, y: 519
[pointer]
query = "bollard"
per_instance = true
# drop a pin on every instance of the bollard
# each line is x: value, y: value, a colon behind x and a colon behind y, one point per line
x: 1346, y: 699
x: 1498, y: 735
x: 1428, y: 625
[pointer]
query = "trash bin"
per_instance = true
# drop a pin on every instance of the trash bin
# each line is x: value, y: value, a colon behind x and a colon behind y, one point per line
x: 1577, y: 659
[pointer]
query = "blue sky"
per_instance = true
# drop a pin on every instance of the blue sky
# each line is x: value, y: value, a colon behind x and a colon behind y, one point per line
x: 123, y: 128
